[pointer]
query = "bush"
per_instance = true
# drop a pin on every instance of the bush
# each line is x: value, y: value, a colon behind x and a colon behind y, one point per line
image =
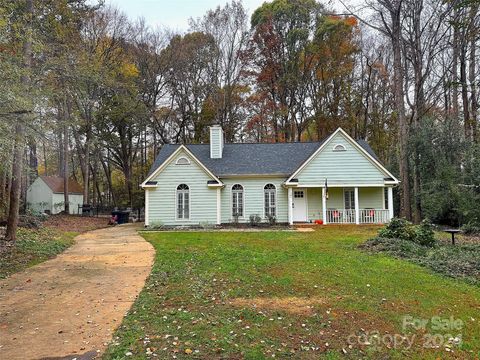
x: 272, y: 220
x: 255, y: 219
x: 398, y: 228
x: 459, y: 261
x: 472, y: 228
x: 30, y: 221
x: 402, y: 229
x: 424, y: 234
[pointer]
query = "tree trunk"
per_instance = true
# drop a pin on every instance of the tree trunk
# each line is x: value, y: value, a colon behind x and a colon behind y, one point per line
x: 32, y: 161
x: 398, y: 83
x: 66, y: 199
x: 463, y: 81
x: 455, y: 56
x: 12, y: 221
x: 471, y: 75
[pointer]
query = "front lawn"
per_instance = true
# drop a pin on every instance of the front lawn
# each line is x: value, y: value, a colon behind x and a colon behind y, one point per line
x: 255, y: 295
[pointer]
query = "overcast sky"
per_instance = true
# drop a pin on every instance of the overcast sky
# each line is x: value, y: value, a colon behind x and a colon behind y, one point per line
x: 174, y: 14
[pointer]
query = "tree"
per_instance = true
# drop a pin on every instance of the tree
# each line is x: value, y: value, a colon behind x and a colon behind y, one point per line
x: 13, y: 214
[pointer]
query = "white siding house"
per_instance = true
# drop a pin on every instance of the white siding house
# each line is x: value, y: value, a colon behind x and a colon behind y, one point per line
x: 46, y: 194
x: 338, y: 180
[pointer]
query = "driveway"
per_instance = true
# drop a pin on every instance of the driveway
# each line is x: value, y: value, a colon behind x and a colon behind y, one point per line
x: 69, y: 306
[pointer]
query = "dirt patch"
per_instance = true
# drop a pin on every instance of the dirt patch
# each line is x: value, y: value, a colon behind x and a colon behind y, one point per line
x: 292, y: 305
x: 71, y: 305
x: 304, y: 229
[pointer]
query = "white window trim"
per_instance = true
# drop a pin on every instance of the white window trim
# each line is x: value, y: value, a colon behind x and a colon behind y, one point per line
x: 189, y: 203
x: 243, y: 200
x: 276, y: 200
x: 339, y: 148
x: 182, y: 158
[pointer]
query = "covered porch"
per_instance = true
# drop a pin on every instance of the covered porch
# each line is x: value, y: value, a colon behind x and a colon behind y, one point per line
x: 371, y: 204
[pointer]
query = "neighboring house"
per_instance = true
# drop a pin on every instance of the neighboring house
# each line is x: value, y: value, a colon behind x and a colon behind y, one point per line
x: 337, y: 180
x: 46, y: 194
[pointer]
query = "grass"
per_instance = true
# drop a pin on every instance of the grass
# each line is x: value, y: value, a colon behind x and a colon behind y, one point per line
x: 33, y: 247
x: 255, y: 295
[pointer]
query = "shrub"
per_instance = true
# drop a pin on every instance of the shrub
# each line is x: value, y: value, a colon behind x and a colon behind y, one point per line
x: 402, y: 229
x: 459, y: 261
x: 235, y: 219
x: 424, y: 234
x: 472, y: 228
x: 255, y: 219
x: 398, y: 228
x: 272, y: 220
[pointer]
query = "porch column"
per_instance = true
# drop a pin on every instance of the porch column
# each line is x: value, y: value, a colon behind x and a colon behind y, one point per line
x: 147, y: 204
x: 390, y: 203
x: 219, y: 206
x: 290, y: 206
x: 357, y: 210
x: 324, y: 205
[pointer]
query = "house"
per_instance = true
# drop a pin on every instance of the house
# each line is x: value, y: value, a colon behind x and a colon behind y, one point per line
x: 337, y: 180
x: 46, y: 194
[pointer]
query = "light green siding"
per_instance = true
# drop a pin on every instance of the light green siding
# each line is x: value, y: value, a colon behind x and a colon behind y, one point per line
x: 314, y: 201
x: 340, y: 167
x: 162, y: 199
x: 335, y: 198
x: 253, y: 195
x: 371, y: 198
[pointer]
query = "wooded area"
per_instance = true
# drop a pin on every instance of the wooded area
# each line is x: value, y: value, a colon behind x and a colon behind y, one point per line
x: 90, y: 94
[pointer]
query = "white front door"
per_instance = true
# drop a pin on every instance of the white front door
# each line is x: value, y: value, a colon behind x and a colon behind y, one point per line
x: 299, y: 205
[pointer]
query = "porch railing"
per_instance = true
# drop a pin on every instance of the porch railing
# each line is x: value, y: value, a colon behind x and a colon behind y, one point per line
x: 340, y: 216
x: 366, y: 216
x: 373, y: 216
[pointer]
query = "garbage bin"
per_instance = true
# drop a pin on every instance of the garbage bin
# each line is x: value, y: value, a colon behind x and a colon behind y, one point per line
x: 122, y: 216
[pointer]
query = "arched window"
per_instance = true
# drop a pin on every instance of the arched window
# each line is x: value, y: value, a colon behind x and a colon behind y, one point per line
x: 183, y: 161
x: 237, y: 200
x: 270, y: 200
x: 183, y: 202
x: 339, y: 147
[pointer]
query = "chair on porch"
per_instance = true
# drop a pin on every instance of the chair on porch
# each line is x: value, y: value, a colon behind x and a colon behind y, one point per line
x: 369, y: 216
x: 334, y: 216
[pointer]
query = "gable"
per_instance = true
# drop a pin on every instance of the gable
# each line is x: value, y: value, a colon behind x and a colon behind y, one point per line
x: 39, y: 186
x: 181, y: 167
x: 348, y: 165
x: 172, y: 162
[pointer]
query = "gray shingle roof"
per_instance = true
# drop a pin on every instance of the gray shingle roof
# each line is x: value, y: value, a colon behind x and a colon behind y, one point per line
x: 251, y: 158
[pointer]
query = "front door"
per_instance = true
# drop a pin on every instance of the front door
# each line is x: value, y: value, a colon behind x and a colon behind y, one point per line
x: 299, y: 205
